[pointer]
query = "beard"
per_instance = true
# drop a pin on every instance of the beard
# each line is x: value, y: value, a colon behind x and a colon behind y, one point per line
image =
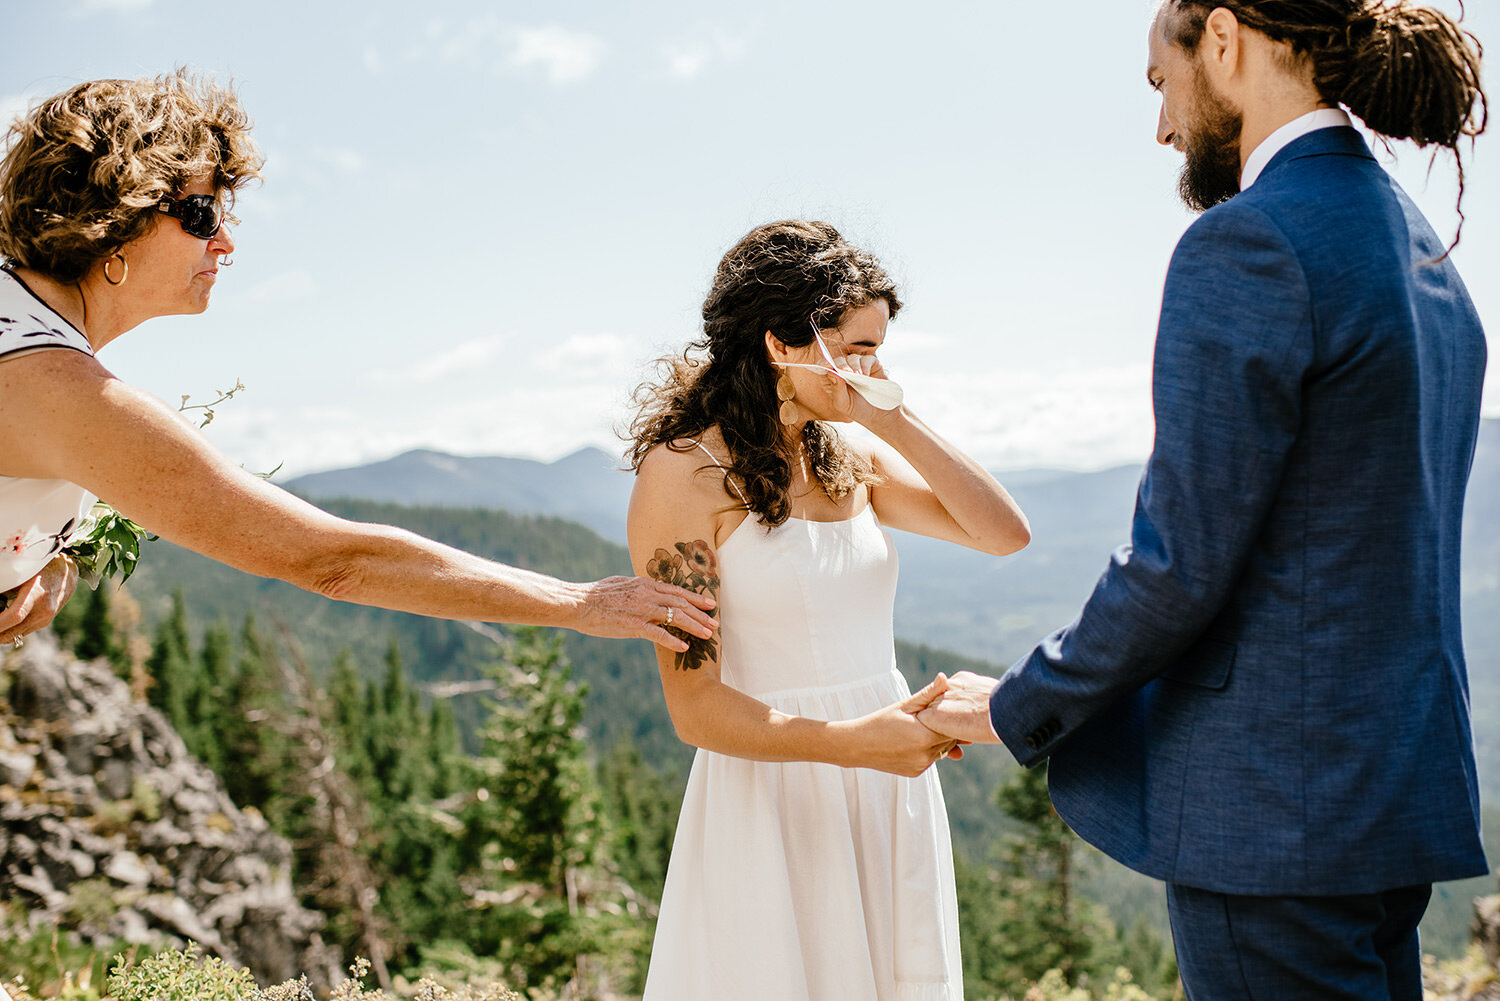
x: 1211, y: 174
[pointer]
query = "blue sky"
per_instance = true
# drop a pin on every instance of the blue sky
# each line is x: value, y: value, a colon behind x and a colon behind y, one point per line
x: 481, y: 221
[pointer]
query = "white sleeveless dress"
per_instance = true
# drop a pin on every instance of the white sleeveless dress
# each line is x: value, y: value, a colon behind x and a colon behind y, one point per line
x: 800, y: 881
x: 37, y: 517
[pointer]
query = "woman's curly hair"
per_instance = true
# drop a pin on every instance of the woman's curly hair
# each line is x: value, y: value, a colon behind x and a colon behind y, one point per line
x: 777, y: 278
x: 84, y: 170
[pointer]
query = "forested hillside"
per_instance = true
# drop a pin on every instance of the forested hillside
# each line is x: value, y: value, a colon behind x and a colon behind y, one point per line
x: 624, y: 698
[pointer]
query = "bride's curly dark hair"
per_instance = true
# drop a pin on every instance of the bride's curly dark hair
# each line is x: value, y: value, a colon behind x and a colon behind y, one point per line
x: 776, y: 278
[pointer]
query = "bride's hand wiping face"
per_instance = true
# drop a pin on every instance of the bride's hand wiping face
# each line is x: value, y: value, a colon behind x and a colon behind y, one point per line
x: 838, y: 376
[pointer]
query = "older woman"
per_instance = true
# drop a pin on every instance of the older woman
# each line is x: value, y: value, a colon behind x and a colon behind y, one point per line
x: 112, y: 211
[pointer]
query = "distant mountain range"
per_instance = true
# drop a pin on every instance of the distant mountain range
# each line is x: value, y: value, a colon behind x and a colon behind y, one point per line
x: 990, y: 607
x: 589, y: 486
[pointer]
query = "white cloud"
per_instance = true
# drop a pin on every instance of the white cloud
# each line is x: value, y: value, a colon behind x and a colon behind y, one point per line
x: 591, y: 356
x: 1078, y: 418
x: 688, y: 60
x: 559, y: 54
x: 345, y: 160
x: 685, y: 63
x: 461, y: 359
x: 565, y: 56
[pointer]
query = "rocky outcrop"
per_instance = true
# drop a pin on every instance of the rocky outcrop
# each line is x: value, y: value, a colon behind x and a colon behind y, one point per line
x: 1487, y: 929
x: 110, y: 829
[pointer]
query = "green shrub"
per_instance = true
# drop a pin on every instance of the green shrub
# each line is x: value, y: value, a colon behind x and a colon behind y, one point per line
x: 181, y: 976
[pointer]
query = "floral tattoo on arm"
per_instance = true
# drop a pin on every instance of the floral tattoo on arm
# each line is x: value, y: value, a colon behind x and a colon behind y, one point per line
x: 694, y: 568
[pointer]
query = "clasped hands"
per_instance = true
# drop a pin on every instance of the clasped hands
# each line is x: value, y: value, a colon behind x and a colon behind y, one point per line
x: 949, y: 713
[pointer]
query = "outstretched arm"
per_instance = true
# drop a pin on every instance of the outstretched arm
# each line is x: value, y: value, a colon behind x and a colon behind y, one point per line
x: 67, y: 418
x: 674, y: 514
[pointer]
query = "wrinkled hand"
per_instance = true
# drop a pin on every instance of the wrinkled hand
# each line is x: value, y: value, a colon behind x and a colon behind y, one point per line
x: 35, y: 604
x: 962, y: 711
x: 634, y: 607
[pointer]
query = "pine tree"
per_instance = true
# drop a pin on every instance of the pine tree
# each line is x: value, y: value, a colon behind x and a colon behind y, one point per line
x: 260, y: 752
x: 209, y: 698
x: 534, y: 844
x: 1023, y: 917
x: 97, y: 636
x: 173, y: 672
x: 642, y: 809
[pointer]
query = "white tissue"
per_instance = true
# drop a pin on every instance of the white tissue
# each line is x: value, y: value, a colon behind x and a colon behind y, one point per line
x: 882, y: 394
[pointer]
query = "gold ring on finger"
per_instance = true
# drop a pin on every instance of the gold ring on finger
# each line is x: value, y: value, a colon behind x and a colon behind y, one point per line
x: 669, y: 615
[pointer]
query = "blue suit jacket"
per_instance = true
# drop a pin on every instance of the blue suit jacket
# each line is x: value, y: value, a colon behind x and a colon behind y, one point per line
x: 1266, y: 692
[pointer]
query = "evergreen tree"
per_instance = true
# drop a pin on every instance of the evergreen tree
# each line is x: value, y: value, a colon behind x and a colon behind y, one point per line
x: 1022, y: 917
x: 260, y: 752
x: 208, y: 701
x: 173, y: 673
x: 86, y: 626
x: 642, y: 808
x: 97, y: 636
x: 351, y: 722
x: 534, y: 844
x: 445, y: 748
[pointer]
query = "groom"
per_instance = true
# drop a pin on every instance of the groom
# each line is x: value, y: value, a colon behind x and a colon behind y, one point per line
x: 1264, y: 702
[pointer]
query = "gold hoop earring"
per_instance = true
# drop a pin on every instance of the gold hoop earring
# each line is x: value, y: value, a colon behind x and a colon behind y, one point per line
x: 786, y: 392
x: 124, y: 269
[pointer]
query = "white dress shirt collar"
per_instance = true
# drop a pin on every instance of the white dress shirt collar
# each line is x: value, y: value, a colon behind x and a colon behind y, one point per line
x: 1323, y: 118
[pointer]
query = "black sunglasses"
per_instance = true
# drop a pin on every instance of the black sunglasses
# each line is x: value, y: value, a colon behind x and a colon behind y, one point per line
x: 200, y: 215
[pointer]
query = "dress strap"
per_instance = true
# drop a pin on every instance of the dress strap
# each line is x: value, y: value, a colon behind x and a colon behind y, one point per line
x: 727, y: 478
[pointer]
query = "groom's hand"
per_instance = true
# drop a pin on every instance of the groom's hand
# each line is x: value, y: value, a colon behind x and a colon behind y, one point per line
x: 962, y: 710
x: 926, y: 697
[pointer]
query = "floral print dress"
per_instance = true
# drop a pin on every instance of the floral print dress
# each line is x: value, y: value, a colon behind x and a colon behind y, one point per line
x: 37, y: 517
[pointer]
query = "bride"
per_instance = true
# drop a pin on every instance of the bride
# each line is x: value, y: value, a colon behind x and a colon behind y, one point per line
x: 812, y: 858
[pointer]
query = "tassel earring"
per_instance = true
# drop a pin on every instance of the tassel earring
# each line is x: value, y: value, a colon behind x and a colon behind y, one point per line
x: 786, y: 392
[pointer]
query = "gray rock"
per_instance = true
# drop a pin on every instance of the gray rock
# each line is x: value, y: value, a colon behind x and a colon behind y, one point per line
x: 128, y: 925
x: 177, y: 915
x: 195, y: 803
x: 114, y: 777
x: 38, y: 883
x: 127, y: 868
x: 189, y: 866
x: 16, y: 768
x: 23, y: 847
x: 1487, y: 928
x: 79, y: 748
x: 83, y: 863
x: 40, y: 689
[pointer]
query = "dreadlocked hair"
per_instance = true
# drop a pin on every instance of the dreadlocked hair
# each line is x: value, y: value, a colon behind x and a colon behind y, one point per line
x: 777, y: 278
x: 1407, y: 71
